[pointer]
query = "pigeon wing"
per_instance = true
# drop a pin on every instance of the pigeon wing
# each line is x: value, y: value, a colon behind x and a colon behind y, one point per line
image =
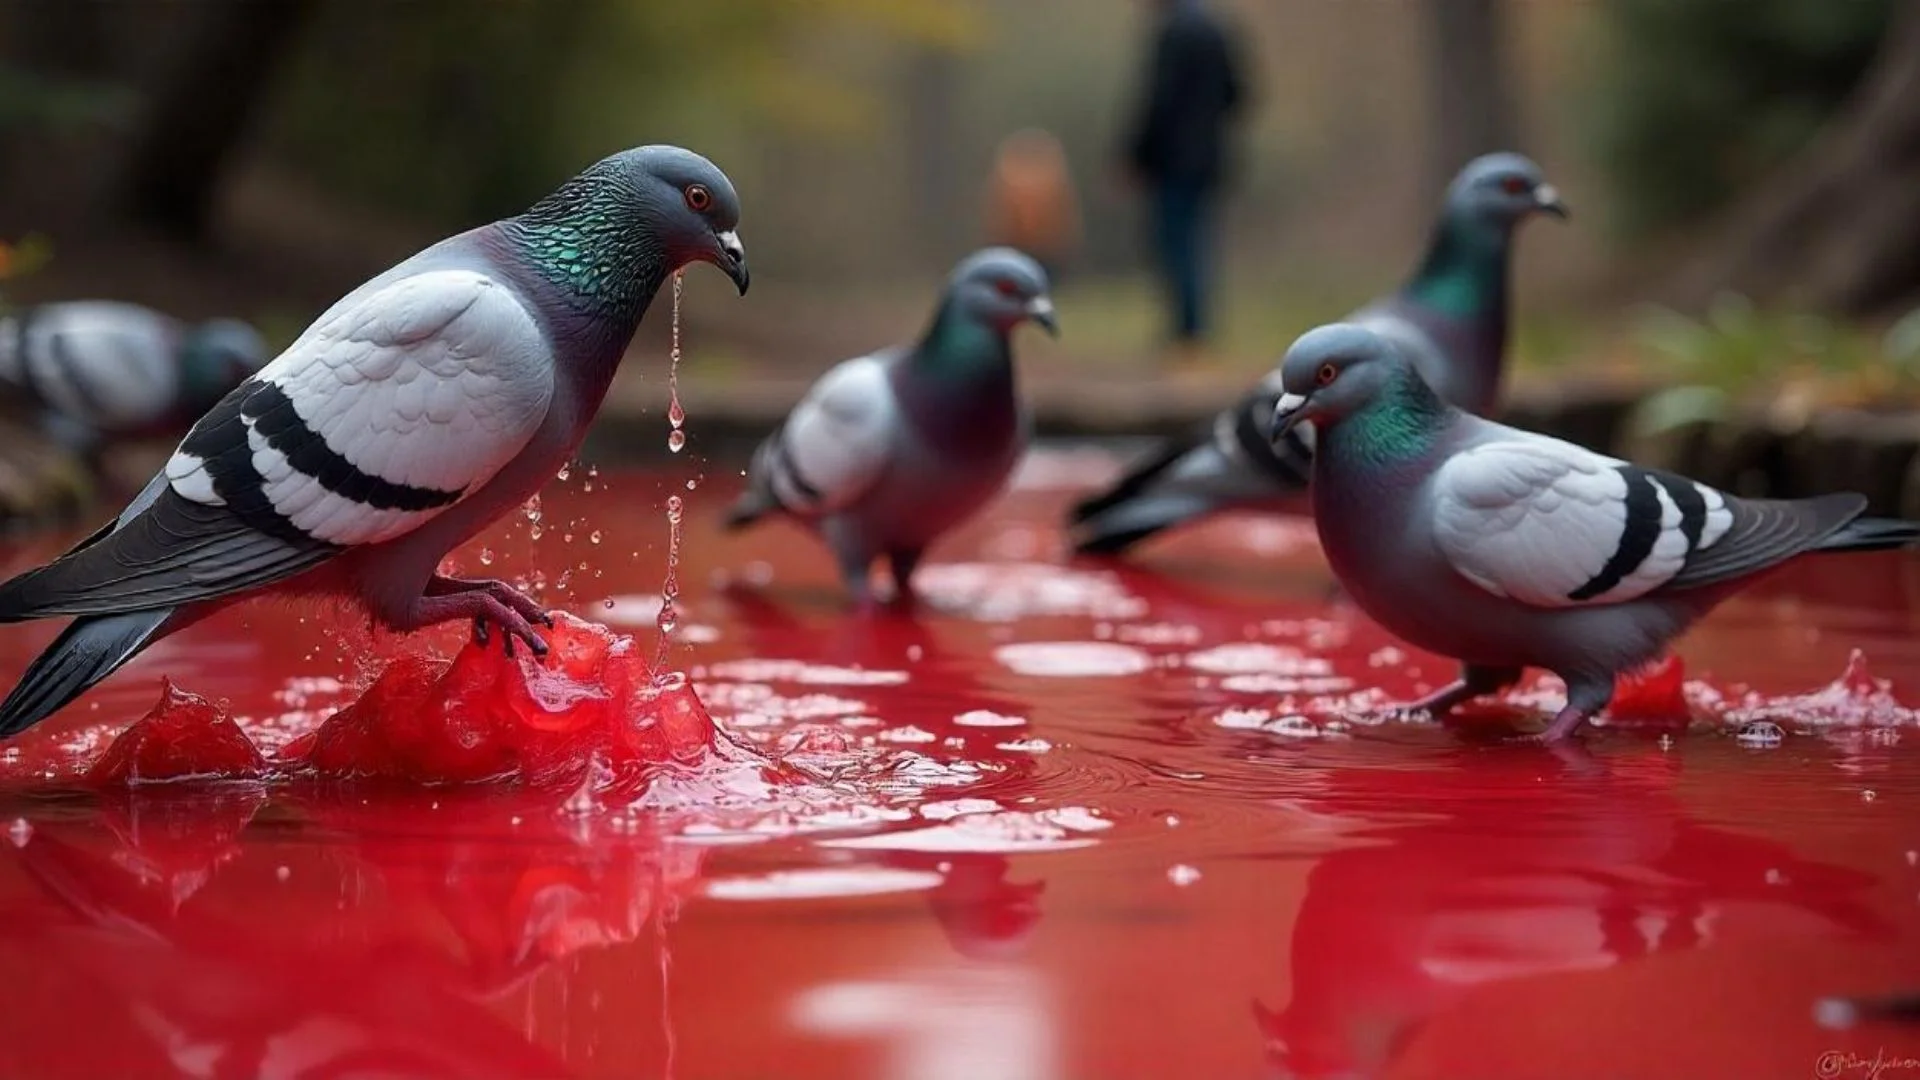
x: 399, y: 402
x: 837, y: 441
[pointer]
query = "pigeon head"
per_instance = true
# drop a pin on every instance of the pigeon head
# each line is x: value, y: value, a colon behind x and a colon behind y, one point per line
x: 215, y: 357
x: 1335, y: 371
x: 1503, y: 189
x: 615, y: 232
x: 1002, y: 288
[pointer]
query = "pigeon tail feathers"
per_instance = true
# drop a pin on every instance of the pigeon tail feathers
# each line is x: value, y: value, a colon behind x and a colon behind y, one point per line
x: 1872, y: 534
x: 87, y: 651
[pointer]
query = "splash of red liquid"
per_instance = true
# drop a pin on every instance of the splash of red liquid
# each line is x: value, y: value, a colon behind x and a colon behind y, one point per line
x: 185, y: 736
x: 1653, y: 696
x: 592, y: 700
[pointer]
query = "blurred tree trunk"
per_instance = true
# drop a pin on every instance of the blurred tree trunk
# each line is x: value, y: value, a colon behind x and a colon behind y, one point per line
x: 1471, y: 94
x: 198, y: 109
x: 938, y: 187
x: 1838, y: 227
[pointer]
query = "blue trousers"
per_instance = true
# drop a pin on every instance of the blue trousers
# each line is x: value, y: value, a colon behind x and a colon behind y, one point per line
x: 1183, y: 216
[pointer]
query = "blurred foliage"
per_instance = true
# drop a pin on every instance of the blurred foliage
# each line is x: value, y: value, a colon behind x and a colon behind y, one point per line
x: 1697, y: 97
x: 1740, y: 349
x: 444, y: 85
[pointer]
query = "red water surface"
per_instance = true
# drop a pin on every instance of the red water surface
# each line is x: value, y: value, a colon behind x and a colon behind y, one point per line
x: 1094, y: 821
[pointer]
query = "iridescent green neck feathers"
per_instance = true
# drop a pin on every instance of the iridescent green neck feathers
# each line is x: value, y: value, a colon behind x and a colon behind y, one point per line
x: 1464, y: 273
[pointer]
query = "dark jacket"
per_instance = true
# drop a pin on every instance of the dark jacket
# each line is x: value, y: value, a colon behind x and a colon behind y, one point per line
x: 1194, y: 87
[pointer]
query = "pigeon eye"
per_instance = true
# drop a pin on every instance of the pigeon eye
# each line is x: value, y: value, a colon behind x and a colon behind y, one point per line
x: 1006, y: 288
x: 1326, y: 375
x: 1515, y: 185
x: 699, y: 198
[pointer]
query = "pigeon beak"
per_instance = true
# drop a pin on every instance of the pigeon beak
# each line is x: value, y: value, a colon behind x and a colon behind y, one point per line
x: 733, y: 258
x: 1287, y: 412
x: 1040, y: 310
x: 1546, y: 197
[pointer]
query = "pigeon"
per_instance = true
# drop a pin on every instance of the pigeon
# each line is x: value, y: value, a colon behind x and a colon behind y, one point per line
x: 94, y: 370
x: 888, y: 451
x: 1506, y: 549
x: 418, y: 408
x: 1451, y: 319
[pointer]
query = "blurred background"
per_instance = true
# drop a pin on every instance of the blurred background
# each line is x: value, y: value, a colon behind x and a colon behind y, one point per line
x: 1745, y: 178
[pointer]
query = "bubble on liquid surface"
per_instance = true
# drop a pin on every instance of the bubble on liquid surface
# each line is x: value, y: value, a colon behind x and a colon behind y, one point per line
x: 1761, y: 733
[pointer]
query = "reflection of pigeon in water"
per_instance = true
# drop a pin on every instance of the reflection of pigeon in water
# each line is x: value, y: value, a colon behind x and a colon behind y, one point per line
x: 94, y: 370
x: 414, y: 412
x: 889, y: 451
x: 1511, y: 879
x: 1451, y: 318
x: 1505, y: 549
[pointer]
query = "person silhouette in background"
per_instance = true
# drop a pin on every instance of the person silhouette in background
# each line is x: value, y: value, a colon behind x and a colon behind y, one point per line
x: 1177, y: 150
x: 1031, y: 204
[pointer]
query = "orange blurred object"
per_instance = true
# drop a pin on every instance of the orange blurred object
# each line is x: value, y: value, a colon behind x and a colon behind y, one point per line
x: 1031, y: 204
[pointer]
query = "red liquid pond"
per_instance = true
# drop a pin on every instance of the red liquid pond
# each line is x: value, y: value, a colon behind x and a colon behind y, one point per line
x: 1093, y: 820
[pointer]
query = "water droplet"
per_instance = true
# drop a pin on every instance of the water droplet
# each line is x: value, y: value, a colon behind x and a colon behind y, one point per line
x: 534, y: 531
x: 565, y: 474
x: 486, y: 556
x: 593, y: 537
x: 10, y: 755
x: 1183, y: 875
x: 1867, y: 795
x: 676, y: 440
x: 693, y: 483
x: 20, y: 831
x: 1913, y: 858
x: 1775, y: 877
x: 1666, y: 742
x: 283, y: 873
x: 566, y: 538
x: 515, y: 820
x: 607, y: 603
x: 915, y: 652
x: 1173, y: 821
x: 593, y: 472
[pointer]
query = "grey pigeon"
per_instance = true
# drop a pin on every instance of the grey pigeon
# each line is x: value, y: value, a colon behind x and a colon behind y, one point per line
x: 98, y: 369
x: 1505, y: 549
x: 413, y: 412
x: 891, y: 450
x: 1451, y: 318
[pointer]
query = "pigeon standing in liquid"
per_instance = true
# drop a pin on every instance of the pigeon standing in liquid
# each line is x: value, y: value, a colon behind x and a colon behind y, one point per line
x: 1451, y: 319
x: 94, y: 370
x: 891, y: 450
x: 1505, y: 549
x: 412, y: 413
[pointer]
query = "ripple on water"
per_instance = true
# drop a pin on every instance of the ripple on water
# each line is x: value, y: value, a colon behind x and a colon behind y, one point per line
x: 824, y: 883
x: 1002, y: 832
x: 1857, y: 699
x: 1072, y: 659
x: 987, y: 718
x: 798, y: 671
x: 1010, y: 591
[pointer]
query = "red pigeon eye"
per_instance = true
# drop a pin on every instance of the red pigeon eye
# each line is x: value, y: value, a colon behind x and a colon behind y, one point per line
x: 1515, y: 185
x: 699, y: 198
x: 1006, y: 288
x: 1326, y: 374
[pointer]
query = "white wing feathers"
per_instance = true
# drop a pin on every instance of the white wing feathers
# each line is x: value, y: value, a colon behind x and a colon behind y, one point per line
x: 837, y: 441
x: 1550, y: 524
x: 405, y: 399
